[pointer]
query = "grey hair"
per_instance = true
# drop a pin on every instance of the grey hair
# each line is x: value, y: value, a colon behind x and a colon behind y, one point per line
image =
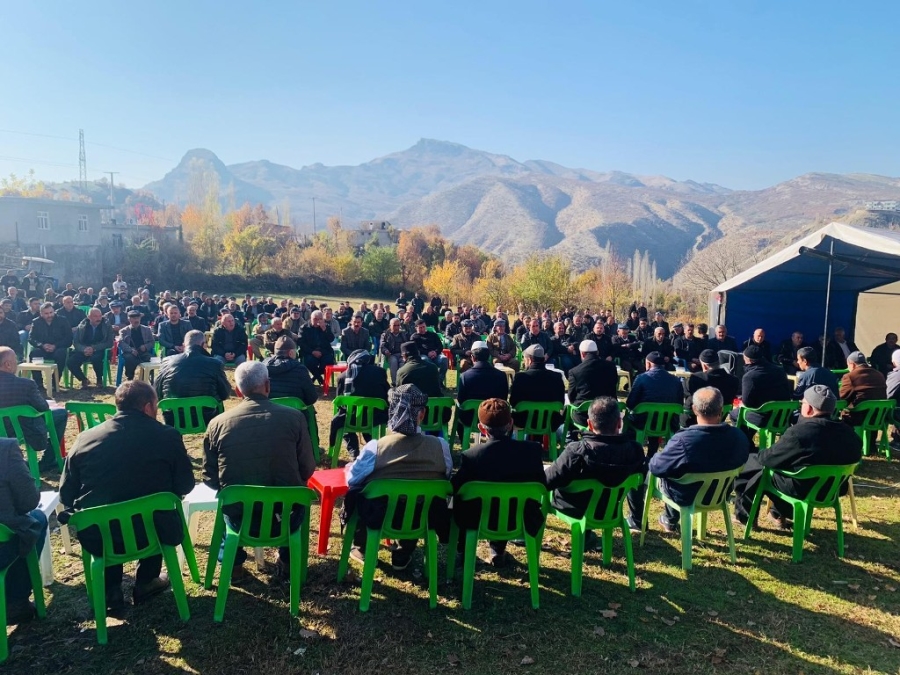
x: 194, y: 338
x: 895, y: 357
x: 251, y: 377
x: 708, y: 402
x: 316, y: 315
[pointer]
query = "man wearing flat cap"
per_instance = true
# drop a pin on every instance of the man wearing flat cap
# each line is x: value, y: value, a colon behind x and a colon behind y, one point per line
x: 115, y: 317
x: 136, y: 342
x: 480, y: 382
x: 461, y: 347
x: 712, y: 375
x: 502, y: 346
x: 815, y: 440
x: 536, y: 384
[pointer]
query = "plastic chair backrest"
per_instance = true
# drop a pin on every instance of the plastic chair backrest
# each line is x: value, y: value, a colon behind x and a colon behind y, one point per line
x: 713, y: 490
x: 411, y: 499
x: 89, y: 415
x: 85, y: 308
x: 509, y: 499
x: 11, y: 427
x: 877, y: 414
x: 264, y: 500
x: 538, y: 420
x: 779, y: 415
x: 187, y: 412
x: 360, y: 412
x: 125, y: 513
x: 726, y: 410
x: 659, y: 417
x: 467, y: 430
x: 290, y: 402
x: 582, y: 408
x: 434, y: 413
x: 615, y: 498
x: 829, y: 479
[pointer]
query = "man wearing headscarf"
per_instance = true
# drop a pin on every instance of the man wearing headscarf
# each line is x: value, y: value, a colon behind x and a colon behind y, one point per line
x: 362, y: 378
x: 405, y: 452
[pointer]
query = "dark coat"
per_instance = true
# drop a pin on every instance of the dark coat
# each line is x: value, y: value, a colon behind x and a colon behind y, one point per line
x: 881, y: 358
x: 537, y: 385
x: 502, y: 460
x: 763, y: 382
x: 58, y: 333
x: 863, y: 383
x: 289, y: 377
x: 371, y: 382
x: 24, y: 391
x: 101, y: 339
x: 73, y: 317
x: 170, y: 336
x: 728, y: 344
x: 423, y: 374
x: 427, y: 342
x: 665, y: 348
x: 815, y: 375
x: 481, y: 382
x: 541, y: 339
x: 592, y: 378
x: 314, y: 339
x: 834, y: 355
x: 18, y: 493
x: 9, y: 336
x: 608, y: 459
x: 765, y: 348
x: 218, y: 347
x: 728, y: 385
x: 193, y: 373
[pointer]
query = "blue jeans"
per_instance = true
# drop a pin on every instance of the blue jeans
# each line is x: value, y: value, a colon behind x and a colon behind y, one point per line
x: 18, y: 582
x: 441, y: 362
x: 238, y: 359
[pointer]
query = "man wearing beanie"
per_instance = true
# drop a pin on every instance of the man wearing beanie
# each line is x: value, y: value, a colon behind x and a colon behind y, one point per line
x: 763, y: 382
x: 816, y: 440
x: 405, y: 452
x: 712, y: 375
x: 503, y: 460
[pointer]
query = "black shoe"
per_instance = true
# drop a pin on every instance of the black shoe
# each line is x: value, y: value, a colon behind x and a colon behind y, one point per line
x: 670, y: 528
x: 20, y: 612
x: 281, y: 571
x: 779, y: 522
x: 47, y: 462
x: 151, y: 589
x: 400, y: 559
x: 115, y: 601
x: 592, y: 542
x: 633, y: 525
x: 740, y: 518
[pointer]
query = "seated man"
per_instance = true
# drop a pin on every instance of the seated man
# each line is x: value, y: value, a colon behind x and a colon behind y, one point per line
x: 19, y: 500
x: 430, y: 348
x: 128, y: 456
x: 536, y: 384
x: 419, y: 372
x: 535, y: 336
x: 759, y: 340
x: 229, y: 343
x: 762, y: 382
x: 50, y: 338
x: 707, y: 447
x: 135, y: 343
x: 688, y: 347
x: 9, y: 334
x: 315, y: 346
x: 502, y: 459
x: 502, y: 346
x: 405, y: 452
x: 787, y: 353
x: 893, y: 392
x: 602, y: 454
x: 197, y: 321
x: 116, y: 318
x: 659, y: 344
x: 171, y: 333
x: 563, y: 351
x: 861, y: 383
x: 275, y: 332
x: 815, y: 440
x: 24, y: 320
x: 627, y: 349
x: 287, y: 376
x: 72, y: 314
x: 480, y: 382
x: 461, y: 347
x: 712, y: 375
x: 354, y: 337
x: 838, y: 350
x: 92, y: 338
x: 722, y: 341
x: 192, y: 373
x: 656, y: 385
x: 590, y: 380
x: 881, y: 355
x: 810, y: 373
x: 391, y: 341
x: 233, y: 453
x: 362, y: 378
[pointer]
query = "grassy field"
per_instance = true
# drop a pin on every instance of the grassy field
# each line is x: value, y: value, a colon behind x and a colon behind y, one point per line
x: 761, y: 615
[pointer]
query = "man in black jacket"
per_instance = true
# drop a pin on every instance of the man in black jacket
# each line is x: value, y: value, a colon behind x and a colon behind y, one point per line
x: 423, y: 374
x: 92, y: 338
x: 816, y: 440
x: 759, y: 339
x: 787, y: 353
x: 128, y: 456
x: 837, y: 350
x: 315, y: 346
x: 660, y: 345
x: 50, y: 339
x: 713, y: 375
x: 536, y: 384
x: 602, y: 340
x: 502, y: 460
x: 722, y: 341
x: 881, y: 355
x: 592, y: 378
x: 431, y: 349
x: 602, y: 454
x: 72, y: 314
x: 9, y: 333
x: 362, y: 378
x: 229, y: 342
x: 481, y: 382
x: 535, y: 336
x: 763, y: 382
x: 192, y: 373
x: 461, y: 347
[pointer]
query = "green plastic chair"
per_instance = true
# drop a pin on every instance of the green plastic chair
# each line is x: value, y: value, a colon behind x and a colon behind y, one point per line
x: 840, y: 372
x: 188, y: 412
x: 10, y: 417
x: 824, y: 494
x: 839, y: 406
x: 712, y: 495
x: 360, y: 419
x: 879, y: 414
x: 434, y: 416
x: 84, y: 308
x: 124, y: 514
x: 409, y: 502
x: 780, y: 414
x: 509, y: 500
x: 726, y: 411
x: 539, y: 422
x: 107, y: 378
x: 661, y: 419
x: 34, y: 572
x: 313, y: 427
x: 272, y: 533
x: 570, y: 422
x: 466, y: 429
x: 611, y: 518
x: 89, y: 415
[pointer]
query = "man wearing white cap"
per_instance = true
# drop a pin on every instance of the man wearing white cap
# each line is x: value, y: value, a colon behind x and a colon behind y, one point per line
x: 592, y: 378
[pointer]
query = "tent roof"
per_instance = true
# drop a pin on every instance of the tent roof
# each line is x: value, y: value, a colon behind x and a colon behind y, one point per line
x: 864, y: 258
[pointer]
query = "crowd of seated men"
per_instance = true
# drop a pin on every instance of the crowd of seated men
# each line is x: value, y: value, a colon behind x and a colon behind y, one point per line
x: 298, y: 340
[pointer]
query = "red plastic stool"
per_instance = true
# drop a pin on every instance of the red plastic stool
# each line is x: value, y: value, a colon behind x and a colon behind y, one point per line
x: 329, y: 484
x: 451, y: 364
x: 329, y: 373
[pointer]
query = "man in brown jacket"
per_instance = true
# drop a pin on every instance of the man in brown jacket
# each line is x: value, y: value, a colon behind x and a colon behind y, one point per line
x: 861, y: 383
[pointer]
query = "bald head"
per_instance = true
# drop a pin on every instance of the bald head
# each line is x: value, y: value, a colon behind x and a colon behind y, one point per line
x: 707, y: 405
x: 8, y: 360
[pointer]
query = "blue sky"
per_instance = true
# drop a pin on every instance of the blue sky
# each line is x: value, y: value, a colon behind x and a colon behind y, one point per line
x: 745, y: 94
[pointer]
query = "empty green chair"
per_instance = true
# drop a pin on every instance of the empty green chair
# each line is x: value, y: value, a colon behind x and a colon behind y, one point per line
x: 124, y: 514
x: 408, y: 502
x: 89, y: 415
x: 187, y: 412
x: 823, y: 494
x: 610, y: 518
x: 265, y: 501
x: 712, y: 495
x: 539, y: 422
x: 360, y: 419
x: 465, y: 431
x: 34, y: 573
x: 508, y: 499
x: 779, y: 419
x: 878, y: 415
x: 661, y: 421
x: 309, y: 412
x: 9, y: 419
x: 435, y: 416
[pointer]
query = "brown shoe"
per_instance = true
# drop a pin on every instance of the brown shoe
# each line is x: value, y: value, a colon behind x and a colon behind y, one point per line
x: 779, y: 522
x: 151, y: 589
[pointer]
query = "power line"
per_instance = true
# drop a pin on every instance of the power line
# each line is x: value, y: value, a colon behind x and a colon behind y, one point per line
x: 101, y: 145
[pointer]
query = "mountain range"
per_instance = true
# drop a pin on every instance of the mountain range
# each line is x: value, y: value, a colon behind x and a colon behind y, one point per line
x: 513, y: 208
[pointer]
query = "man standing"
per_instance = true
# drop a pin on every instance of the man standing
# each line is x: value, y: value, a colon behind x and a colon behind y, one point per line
x: 128, y: 456
x: 707, y: 447
x: 536, y: 384
x: 591, y: 379
x: 233, y: 453
x: 119, y: 286
x: 192, y: 373
x: 502, y: 459
x: 50, y: 339
x: 229, y: 343
x: 815, y: 440
x: 171, y: 333
x: 135, y: 343
x: 92, y: 338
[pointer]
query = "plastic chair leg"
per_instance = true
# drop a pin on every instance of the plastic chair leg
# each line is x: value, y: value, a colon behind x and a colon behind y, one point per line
x: 304, y: 549
x: 295, y: 546
x: 578, y: 536
x: 215, y: 543
x: 228, y: 556
x: 34, y: 573
x: 651, y: 483
x: 452, y: 548
x: 852, y: 497
x: 729, y: 532
x: 98, y: 597
x: 373, y: 541
x: 469, y: 568
x: 607, y: 546
x: 687, y: 518
x: 326, y: 512
x: 754, y: 510
x: 800, y: 520
x: 701, y: 526
x: 533, y: 552
x: 345, y: 548
x: 839, y: 522
x: 629, y: 555
x: 432, y: 567
x: 171, y: 557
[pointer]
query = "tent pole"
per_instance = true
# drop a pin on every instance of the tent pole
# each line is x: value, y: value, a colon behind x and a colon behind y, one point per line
x: 827, y: 299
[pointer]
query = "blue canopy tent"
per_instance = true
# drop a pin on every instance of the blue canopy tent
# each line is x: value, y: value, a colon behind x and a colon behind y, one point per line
x: 812, y: 286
